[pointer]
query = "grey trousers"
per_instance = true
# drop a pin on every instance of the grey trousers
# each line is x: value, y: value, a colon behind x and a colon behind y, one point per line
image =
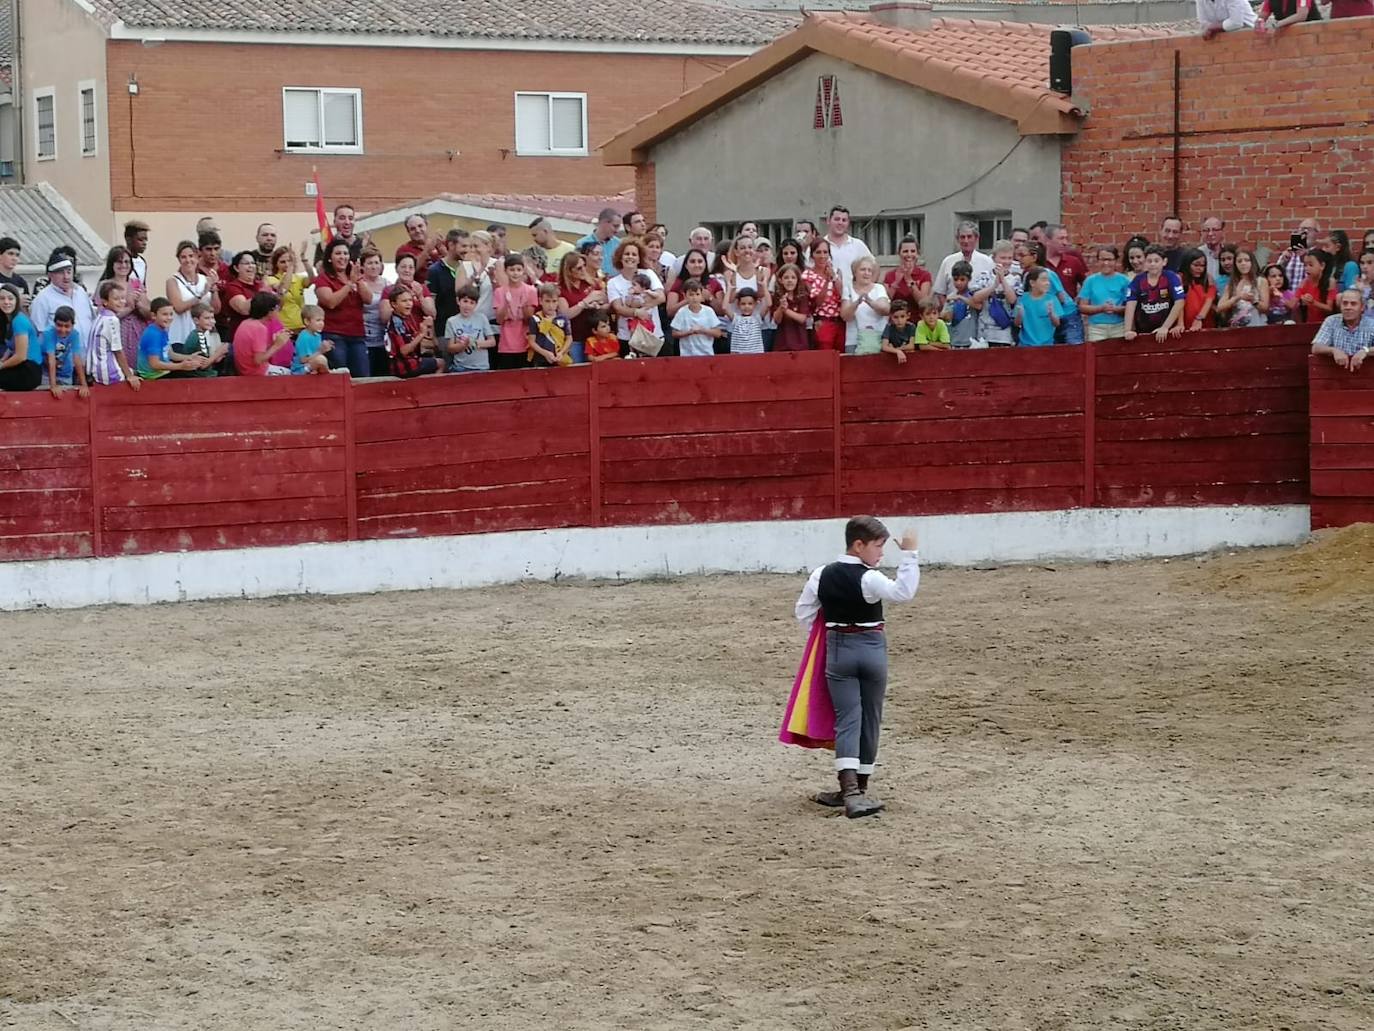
x: 856, y: 670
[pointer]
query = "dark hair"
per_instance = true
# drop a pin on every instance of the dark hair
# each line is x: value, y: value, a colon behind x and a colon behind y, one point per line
x: 209, y: 238
x: 1037, y: 225
x: 1343, y: 242
x: 251, y: 256
x: 9, y: 243
x: 748, y: 292
x: 906, y: 240
x: 495, y: 227
x: 1185, y: 267
x: 201, y: 308
x: 837, y: 207
x: 900, y: 305
x: 106, y: 288
x: 601, y: 315
x: 1171, y: 218
x: 334, y: 245
x: 608, y: 215
x: 722, y: 253
x: 1038, y: 249
x: 455, y: 235
x: 344, y: 204
x: 183, y: 245
x: 1033, y: 274
x: 691, y: 284
x: 1282, y: 271
x: 1110, y: 248
x: 264, y: 304
x: 470, y: 292
x: 1328, y: 263
x: 795, y: 244
x: 66, y: 313
x: 535, y: 223
x: 1227, y: 248
x: 961, y: 268
x: 131, y: 229
x: 396, y: 290
x: 1019, y: 229
x: 512, y: 260
x: 679, y: 286
x: 863, y: 529
x: 158, y: 303
x: 1155, y: 248
x: 114, y: 255
x: 585, y: 247
x: 627, y: 218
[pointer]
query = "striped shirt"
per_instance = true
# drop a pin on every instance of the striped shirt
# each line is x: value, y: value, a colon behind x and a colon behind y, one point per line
x: 1335, y: 333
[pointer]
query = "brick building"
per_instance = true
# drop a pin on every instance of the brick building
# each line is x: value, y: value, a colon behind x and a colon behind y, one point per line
x: 140, y: 108
x: 1269, y: 132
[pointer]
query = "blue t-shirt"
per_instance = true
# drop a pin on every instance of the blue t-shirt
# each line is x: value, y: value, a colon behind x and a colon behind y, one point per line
x: 1037, y: 330
x: 1105, y: 289
x: 65, y: 349
x: 308, y: 345
x: 1061, y: 308
x: 21, y: 326
x: 153, y: 344
x: 607, y: 251
x: 1349, y: 274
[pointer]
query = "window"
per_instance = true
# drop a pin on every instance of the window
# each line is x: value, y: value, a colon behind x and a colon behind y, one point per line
x: 45, y: 123
x: 88, y: 135
x: 884, y: 235
x: 774, y: 230
x: 992, y: 226
x: 551, y: 124
x: 323, y: 120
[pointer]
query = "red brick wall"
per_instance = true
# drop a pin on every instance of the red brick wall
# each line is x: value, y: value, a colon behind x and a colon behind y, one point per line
x: 1272, y: 133
x: 208, y: 122
x: 646, y: 190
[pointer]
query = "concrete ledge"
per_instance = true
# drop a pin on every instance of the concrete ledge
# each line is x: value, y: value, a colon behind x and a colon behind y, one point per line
x: 1087, y: 534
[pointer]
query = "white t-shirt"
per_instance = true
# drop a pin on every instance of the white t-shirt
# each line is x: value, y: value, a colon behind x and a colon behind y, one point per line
x: 980, y: 262
x: 620, y: 288
x: 864, y: 316
x: 697, y: 345
x: 843, y: 256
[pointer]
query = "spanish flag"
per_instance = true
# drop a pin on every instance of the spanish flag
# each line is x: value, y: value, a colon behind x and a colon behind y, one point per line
x: 321, y: 216
x: 809, y: 721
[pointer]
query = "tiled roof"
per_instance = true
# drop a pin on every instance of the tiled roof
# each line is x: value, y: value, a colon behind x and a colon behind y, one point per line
x: 1000, y: 66
x: 573, y: 208
x: 41, y: 219
x: 627, y: 21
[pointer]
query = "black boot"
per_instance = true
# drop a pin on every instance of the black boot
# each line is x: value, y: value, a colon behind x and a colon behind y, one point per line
x: 863, y: 790
x: 855, y: 805
x: 830, y: 799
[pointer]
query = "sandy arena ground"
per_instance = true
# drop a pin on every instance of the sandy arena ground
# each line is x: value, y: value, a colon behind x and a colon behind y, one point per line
x: 1136, y: 796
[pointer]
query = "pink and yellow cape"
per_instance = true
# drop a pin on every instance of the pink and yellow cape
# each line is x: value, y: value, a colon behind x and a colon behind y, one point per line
x: 810, y: 717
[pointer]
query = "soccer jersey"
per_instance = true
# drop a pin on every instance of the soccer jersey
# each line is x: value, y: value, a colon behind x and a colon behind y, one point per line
x: 1154, y: 302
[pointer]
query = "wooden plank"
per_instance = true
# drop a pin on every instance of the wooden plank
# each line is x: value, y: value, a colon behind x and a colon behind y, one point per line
x: 1260, y: 470
x: 214, y: 538
x: 1342, y: 430
x: 786, y: 364
x: 43, y: 456
x: 936, y: 365
x: 46, y: 479
x: 1324, y: 374
x: 972, y: 452
x: 465, y: 499
x: 1237, y: 401
x: 418, y: 454
x: 1343, y: 483
x: 166, y: 468
x: 793, y: 415
x: 443, y: 477
x: 1341, y: 403
x: 26, y: 432
x: 985, y: 428
x: 1291, y: 375
x: 1341, y: 456
x: 758, y: 490
x: 709, y: 445
x: 1278, y: 448
x: 39, y: 506
x: 498, y: 520
x: 212, y: 487
x: 29, y: 547
x: 1215, y: 340
x: 957, y: 502
x: 1067, y: 384
x: 568, y: 413
x: 916, y: 407
x: 715, y: 511
x: 447, y: 391
x: 1205, y: 426
x: 596, y: 446
x: 225, y: 513
x: 964, y: 477
x: 1219, y: 494
x: 229, y: 392
x: 773, y: 388
x: 171, y: 420
x: 733, y: 467
x: 349, y: 484
x: 162, y: 442
x: 1328, y: 513
x: 1089, y: 454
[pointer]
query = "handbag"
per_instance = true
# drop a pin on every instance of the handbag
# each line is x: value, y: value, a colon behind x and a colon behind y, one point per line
x: 644, y: 342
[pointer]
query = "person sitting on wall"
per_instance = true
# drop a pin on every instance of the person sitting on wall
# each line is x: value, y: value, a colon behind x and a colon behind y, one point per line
x: 1217, y: 16
x: 1346, y: 337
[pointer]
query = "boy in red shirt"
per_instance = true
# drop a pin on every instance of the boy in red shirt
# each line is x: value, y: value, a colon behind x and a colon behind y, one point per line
x: 603, y: 344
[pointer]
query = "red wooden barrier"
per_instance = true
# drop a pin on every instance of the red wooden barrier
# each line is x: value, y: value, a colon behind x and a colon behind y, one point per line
x: 45, y: 476
x: 1342, y: 456
x: 946, y: 434
x: 1215, y: 418
x: 472, y: 454
x: 195, y: 465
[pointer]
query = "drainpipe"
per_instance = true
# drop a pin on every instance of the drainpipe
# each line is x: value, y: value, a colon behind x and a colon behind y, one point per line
x: 17, y: 90
x: 1177, y: 135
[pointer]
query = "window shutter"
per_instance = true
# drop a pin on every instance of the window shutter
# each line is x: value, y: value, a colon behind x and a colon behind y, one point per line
x: 565, y: 118
x: 340, y: 120
x: 301, y: 115
x: 531, y: 123
x: 47, y: 128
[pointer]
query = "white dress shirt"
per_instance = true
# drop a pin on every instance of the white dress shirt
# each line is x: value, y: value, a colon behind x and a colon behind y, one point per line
x: 875, y: 586
x: 49, y: 299
x: 1229, y: 14
x: 980, y: 262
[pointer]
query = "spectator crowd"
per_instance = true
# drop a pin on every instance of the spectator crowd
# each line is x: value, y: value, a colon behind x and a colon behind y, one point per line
x: 462, y: 302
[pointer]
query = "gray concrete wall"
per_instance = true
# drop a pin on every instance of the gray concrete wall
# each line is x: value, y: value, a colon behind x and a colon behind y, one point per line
x: 759, y: 157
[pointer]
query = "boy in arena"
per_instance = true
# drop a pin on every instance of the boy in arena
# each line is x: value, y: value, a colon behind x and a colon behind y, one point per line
x: 849, y: 594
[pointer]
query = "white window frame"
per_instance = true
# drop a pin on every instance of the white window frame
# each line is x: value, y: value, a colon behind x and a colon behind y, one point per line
x: 38, y: 94
x: 556, y: 152
x: 320, y: 92
x: 82, y: 88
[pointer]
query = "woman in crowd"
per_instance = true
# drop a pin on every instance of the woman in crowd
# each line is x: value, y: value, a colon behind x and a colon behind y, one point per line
x: 652, y: 260
x: 406, y: 277
x: 374, y: 328
x: 342, y: 294
x: 1199, y: 295
x: 187, y: 288
x: 790, y: 252
x: 825, y: 288
x: 579, y: 298
x: 592, y: 252
x: 630, y: 301
x: 1245, y: 300
x: 236, y: 295
x: 485, y: 271
x: 694, y: 266
x: 1102, y: 298
x: 134, y: 314
x: 20, y: 368
x: 1133, y: 261
x: 865, y: 307
x: 908, y: 281
x: 1344, y: 264
x: 288, y: 282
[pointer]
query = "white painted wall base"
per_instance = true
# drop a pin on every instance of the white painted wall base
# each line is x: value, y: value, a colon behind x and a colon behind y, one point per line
x: 1087, y: 534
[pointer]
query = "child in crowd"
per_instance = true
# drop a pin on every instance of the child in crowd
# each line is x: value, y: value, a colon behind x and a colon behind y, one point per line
x: 1037, y: 313
x: 1282, y: 305
x: 995, y: 292
x: 847, y: 596
x: 603, y: 344
x: 899, y: 338
x: 61, y: 356
x: 695, y: 326
x: 959, y: 311
x: 1154, y: 303
x: 791, y: 311
x: 105, y: 359
x: 932, y: 334
x: 1102, y: 297
x: 514, y: 304
x: 310, y: 353
x: 407, y: 334
x: 203, y: 340
x: 549, y: 337
x: 746, y: 336
x: 1365, y: 282
x: 1316, y: 296
x: 1246, y: 297
x: 636, y: 299
x: 1199, y: 295
x: 865, y: 309
x: 468, y: 339
x: 155, y: 357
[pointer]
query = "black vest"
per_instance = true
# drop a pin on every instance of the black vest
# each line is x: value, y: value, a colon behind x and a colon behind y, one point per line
x: 841, y: 595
